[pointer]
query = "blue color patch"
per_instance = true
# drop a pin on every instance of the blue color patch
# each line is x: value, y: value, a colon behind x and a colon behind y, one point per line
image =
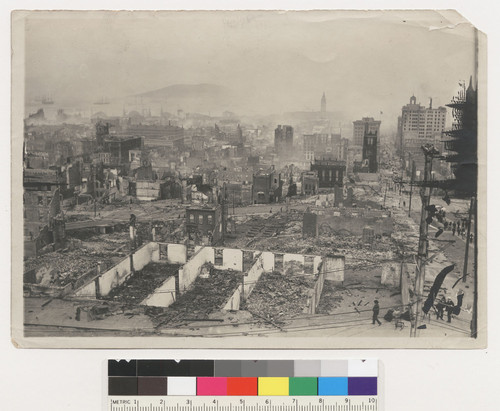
x: 332, y: 386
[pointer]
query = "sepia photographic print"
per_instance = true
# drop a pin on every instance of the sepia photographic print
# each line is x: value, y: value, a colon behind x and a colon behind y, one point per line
x: 248, y: 179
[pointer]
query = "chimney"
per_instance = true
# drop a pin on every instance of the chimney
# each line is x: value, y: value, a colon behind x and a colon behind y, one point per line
x: 430, y: 102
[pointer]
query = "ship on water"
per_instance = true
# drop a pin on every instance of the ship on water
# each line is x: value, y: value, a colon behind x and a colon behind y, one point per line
x: 103, y: 100
x: 47, y: 100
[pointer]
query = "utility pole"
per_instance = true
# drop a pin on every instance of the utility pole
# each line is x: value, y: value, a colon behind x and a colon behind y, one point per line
x: 224, y: 211
x: 474, y: 304
x: 425, y: 195
x: 413, y: 171
x: 401, y: 186
x: 94, y: 173
x: 466, y: 258
x: 385, y: 194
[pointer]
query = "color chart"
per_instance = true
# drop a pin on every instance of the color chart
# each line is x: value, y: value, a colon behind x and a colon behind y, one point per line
x: 164, y: 385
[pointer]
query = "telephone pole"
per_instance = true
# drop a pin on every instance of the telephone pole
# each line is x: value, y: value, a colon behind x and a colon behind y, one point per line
x: 474, y: 304
x: 94, y: 176
x: 467, y: 241
x: 423, y: 242
x: 385, y: 194
x: 412, y: 181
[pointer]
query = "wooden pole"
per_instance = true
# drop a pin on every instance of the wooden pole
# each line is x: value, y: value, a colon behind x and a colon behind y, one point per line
x: 422, y: 242
x: 474, y: 304
x: 413, y: 170
x: 466, y: 258
x: 385, y: 194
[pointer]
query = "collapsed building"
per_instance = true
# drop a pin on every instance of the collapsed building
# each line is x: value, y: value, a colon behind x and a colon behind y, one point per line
x: 210, y: 281
x: 44, y: 226
x: 205, y: 224
x: 267, y: 187
x: 346, y: 221
x: 330, y: 172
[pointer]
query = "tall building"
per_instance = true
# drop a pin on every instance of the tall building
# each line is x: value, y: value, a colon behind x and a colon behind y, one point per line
x: 283, y: 140
x: 323, y: 104
x: 321, y: 144
x: 360, y: 128
x: 461, y: 142
x: 419, y: 125
x: 370, y: 150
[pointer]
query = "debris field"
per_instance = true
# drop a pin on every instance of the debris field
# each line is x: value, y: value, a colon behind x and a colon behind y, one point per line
x: 204, y: 297
x: 278, y: 297
x: 143, y: 283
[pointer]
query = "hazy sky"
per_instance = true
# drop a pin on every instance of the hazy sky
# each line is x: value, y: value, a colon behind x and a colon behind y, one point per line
x: 275, y: 62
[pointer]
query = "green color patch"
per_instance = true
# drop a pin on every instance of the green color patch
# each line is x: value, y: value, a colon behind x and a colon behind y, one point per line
x: 303, y: 386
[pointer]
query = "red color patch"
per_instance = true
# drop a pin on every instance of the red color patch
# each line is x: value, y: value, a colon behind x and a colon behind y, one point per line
x: 242, y: 386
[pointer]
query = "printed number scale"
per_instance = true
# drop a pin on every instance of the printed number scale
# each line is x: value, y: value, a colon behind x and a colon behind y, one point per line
x: 274, y: 403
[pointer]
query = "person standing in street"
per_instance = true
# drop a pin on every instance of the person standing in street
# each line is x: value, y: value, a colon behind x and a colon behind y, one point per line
x: 376, y: 310
x: 440, y: 308
x: 449, y: 309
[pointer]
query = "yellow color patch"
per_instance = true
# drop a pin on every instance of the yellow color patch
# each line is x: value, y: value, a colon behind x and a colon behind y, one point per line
x: 273, y: 385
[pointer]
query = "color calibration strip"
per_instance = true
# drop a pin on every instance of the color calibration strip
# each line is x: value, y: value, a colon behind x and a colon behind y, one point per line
x: 242, y: 378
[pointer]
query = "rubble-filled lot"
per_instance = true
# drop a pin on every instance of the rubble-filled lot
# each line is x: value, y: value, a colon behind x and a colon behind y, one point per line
x: 65, y: 266
x: 59, y: 269
x: 278, y: 296
x: 206, y: 296
x: 122, y: 208
x: 357, y: 295
x: 250, y: 229
x: 143, y: 283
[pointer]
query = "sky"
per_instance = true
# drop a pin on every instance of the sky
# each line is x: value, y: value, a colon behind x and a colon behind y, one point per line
x: 367, y: 63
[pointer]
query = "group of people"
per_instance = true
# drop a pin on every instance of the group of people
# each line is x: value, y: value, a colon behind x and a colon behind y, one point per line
x: 442, y: 305
x: 449, y: 306
x: 459, y: 227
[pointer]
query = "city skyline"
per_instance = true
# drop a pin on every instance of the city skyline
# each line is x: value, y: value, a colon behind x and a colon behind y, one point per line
x: 265, y: 62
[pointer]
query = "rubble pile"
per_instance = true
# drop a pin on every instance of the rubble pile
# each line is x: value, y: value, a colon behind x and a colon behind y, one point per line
x: 352, y: 247
x: 75, y: 217
x: 277, y: 297
x: 106, y: 245
x: 59, y: 269
x: 204, y: 297
x: 330, y: 298
x: 142, y: 283
x: 293, y: 227
x: 165, y: 231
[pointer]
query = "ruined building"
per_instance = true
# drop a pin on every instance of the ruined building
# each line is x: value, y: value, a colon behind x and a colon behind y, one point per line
x: 330, y: 172
x: 309, y: 183
x: 205, y: 224
x: 267, y: 187
x: 283, y: 140
x: 117, y: 146
x: 461, y: 141
x: 43, y: 218
x: 370, y: 144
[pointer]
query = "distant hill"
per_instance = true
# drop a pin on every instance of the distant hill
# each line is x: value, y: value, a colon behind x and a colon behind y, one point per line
x: 185, y: 91
x: 200, y: 98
